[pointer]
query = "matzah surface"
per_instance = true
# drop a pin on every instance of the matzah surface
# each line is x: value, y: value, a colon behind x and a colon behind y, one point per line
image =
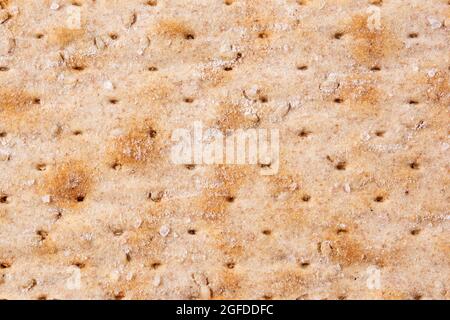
x: 92, y: 207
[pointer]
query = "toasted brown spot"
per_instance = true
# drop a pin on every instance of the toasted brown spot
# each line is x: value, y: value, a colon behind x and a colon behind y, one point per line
x: 68, y: 184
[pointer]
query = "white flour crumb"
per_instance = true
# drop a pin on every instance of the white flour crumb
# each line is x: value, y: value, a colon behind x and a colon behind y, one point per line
x: 164, y: 231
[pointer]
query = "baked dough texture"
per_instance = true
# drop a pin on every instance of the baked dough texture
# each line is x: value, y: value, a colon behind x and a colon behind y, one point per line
x: 92, y: 207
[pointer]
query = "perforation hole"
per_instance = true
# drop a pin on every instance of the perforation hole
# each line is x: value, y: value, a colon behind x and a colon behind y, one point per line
x: 302, y: 67
x: 42, y: 297
x: 413, y: 35
x: 80, y: 198
x: 36, y: 101
x: 267, y: 232
x: 3, y: 134
x: 39, y: 36
x: 113, y: 101
x: 152, y: 68
x: 263, y: 99
x: 230, y: 265
x: 304, y: 133
x: 189, y: 36
x: 77, y: 132
x: 379, y: 199
x: 228, y: 68
x: 228, y: 2
x: 116, y: 166
x: 190, y: 166
x: 192, y: 232
x: 414, y: 232
x: 413, y: 102
x: 117, y: 232
x: 306, y: 197
x: 338, y: 100
x: 152, y: 3
x: 4, y: 69
x: 5, y: 265
x: 78, y: 67
x: 375, y: 68
x: 155, y: 265
x: 188, y: 100
x: 152, y: 133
